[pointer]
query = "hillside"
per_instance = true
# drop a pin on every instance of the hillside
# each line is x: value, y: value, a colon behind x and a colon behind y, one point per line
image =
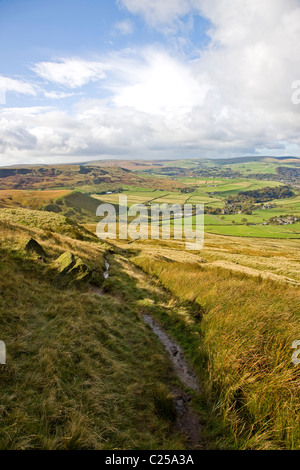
x: 240, y: 347
x: 47, y: 221
x: 83, y: 371
x: 84, y: 367
x: 86, y: 178
x: 74, y: 205
x: 29, y: 199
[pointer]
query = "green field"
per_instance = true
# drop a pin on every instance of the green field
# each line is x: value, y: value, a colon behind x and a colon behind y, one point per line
x: 214, y: 193
x: 256, y: 231
x: 203, y: 194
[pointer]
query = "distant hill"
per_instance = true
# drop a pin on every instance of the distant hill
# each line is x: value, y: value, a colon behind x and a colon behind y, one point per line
x: 49, y: 222
x: 72, y: 204
x: 236, y: 160
x: 84, y: 177
x: 29, y: 199
x: 75, y: 205
x: 142, y: 165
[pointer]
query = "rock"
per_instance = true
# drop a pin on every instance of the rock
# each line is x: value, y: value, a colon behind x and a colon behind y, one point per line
x: 80, y: 270
x: 34, y: 247
x: 65, y: 262
x: 73, y: 266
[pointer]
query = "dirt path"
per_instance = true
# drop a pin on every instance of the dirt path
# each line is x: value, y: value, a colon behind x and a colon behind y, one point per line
x: 183, y: 371
x: 187, y: 421
x: 217, y: 218
x: 98, y: 290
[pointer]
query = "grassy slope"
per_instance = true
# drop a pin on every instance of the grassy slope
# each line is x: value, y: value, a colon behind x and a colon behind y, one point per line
x: 29, y: 199
x: 73, y: 204
x: 79, y: 206
x: 94, y: 179
x: 93, y: 365
x: 82, y: 371
x: 47, y: 221
x: 240, y: 346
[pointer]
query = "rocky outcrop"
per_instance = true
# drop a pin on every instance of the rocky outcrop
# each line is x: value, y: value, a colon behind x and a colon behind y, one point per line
x: 73, y: 267
x: 32, y: 246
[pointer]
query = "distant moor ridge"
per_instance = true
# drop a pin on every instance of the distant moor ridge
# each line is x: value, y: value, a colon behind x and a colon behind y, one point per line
x: 73, y: 176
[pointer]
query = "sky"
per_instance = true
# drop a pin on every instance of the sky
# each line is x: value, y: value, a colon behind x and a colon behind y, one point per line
x: 148, y: 79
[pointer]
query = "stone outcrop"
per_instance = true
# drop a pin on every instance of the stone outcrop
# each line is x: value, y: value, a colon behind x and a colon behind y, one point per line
x: 32, y: 246
x: 73, y: 267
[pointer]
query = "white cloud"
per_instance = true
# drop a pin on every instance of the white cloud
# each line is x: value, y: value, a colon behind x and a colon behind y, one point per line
x: 72, y: 73
x: 249, y: 66
x: 57, y: 95
x: 233, y: 99
x: 158, y: 12
x: 158, y: 84
x: 125, y: 27
x: 17, y: 86
x: 25, y: 88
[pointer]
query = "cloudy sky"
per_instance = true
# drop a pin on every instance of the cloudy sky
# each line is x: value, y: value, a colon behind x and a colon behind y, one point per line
x: 86, y: 79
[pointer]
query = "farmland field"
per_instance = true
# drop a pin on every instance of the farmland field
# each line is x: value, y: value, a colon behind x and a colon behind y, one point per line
x: 214, y: 193
x: 256, y: 231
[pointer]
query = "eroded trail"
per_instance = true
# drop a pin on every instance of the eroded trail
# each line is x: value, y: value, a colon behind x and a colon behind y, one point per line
x: 187, y: 421
x: 98, y: 290
x: 183, y: 371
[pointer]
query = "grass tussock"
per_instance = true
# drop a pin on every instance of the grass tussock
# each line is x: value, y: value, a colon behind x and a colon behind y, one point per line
x: 240, y: 341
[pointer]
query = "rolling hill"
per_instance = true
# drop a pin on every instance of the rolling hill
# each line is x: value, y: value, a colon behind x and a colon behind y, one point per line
x: 71, y: 204
x: 84, y: 177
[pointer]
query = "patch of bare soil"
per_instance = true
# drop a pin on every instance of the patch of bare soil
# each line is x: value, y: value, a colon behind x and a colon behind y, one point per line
x: 187, y: 421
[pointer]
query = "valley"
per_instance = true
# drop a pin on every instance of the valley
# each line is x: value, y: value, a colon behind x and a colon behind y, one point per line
x: 86, y: 371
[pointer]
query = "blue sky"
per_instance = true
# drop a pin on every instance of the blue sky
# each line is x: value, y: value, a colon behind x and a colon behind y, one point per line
x: 90, y: 79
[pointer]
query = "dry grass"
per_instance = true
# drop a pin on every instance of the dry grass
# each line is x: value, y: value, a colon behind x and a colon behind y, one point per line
x: 46, y: 221
x: 30, y: 199
x: 277, y: 259
x: 241, y: 346
x: 81, y: 369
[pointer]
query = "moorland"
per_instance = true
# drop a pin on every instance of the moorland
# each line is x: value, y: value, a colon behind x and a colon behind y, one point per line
x: 84, y: 370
